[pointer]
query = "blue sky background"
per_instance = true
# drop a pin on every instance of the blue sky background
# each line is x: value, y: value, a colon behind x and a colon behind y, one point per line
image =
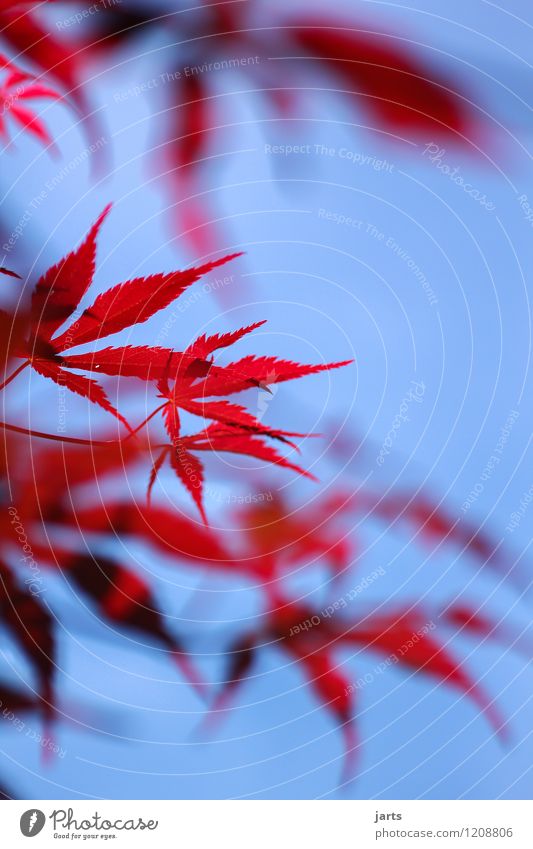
x: 329, y: 292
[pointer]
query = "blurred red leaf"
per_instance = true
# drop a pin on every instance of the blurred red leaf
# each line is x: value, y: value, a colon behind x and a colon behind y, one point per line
x: 406, y: 95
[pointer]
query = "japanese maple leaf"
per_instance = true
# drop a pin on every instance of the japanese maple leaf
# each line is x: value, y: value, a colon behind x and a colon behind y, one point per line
x: 234, y: 429
x: 55, y: 299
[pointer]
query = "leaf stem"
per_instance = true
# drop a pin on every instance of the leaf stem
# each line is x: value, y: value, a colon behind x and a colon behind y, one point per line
x: 71, y: 440
x: 145, y: 422
x: 75, y: 440
x: 14, y: 375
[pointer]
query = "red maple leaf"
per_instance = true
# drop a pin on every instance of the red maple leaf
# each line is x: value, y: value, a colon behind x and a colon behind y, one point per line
x: 188, y: 380
x: 56, y: 297
x: 16, y: 88
x: 24, y: 31
x: 234, y: 429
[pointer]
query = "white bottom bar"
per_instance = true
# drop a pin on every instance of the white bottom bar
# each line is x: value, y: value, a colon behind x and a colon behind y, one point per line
x: 268, y: 824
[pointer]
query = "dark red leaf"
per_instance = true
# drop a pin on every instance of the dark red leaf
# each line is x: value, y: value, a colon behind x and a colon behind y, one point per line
x: 9, y: 273
x: 193, y: 117
x: 241, y: 658
x: 123, y: 597
x: 26, y: 616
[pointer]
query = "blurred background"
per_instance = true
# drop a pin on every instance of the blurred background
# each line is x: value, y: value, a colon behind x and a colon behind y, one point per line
x: 370, y: 232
